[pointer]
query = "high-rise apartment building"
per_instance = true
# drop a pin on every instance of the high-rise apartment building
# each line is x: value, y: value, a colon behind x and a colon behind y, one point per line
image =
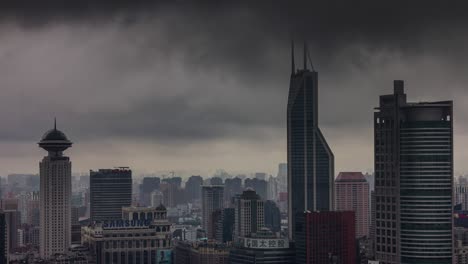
x: 461, y: 195
x: 413, y: 180
x: 282, y: 177
x: 352, y: 194
x: 110, y: 190
x: 55, y: 195
x: 193, y: 187
x: 249, y: 214
x: 212, y: 200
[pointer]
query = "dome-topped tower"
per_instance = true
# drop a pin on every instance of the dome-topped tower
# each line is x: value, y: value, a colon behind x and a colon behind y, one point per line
x: 54, y: 140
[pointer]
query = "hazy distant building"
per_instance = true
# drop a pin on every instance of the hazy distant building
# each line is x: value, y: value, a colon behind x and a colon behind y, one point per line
x: 110, y: 190
x: 193, y: 188
x: 250, y: 216
x: 352, y: 194
x: 261, y: 176
x: 55, y: 194
x: 413, y: 180
x: 216, y: 181
x: 212, y: 200
x: 157, y: 198
x: 232, y: 186
x: 282, y: 177
x: 272, y: 216
x: 272, y: 188
x: 461, y: 195
x: 13, y: 223
x: 147, y: 187
x: 258, y: 185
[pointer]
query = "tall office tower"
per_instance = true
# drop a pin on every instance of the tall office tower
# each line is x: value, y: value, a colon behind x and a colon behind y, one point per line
x: 413, y: 180
x: 212, y: 200
x: 310, y: 159
x: 282, y: 177
x: 272, y: 216
x: 250, y: 214
x: 329, y: 237
x: 260, y: 186
x: 193, y: 187
x: 169, y: 191
x: 352, y: 194
x: 110, y: 190
x: 55, y: 194
x: 261, y: 176
x: 148, y: 186
x: 461, y: 195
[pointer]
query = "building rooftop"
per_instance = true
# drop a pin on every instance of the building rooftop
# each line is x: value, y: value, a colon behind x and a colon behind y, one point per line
x: 350, y: 177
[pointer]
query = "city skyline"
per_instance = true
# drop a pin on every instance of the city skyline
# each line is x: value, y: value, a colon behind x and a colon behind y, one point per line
x: 158, y: 85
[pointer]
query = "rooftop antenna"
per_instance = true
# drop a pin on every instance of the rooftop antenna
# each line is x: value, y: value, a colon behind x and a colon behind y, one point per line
x: 55, y: 123
x: 310, y: 61
x: 293, y: 65
x: 305, y: 55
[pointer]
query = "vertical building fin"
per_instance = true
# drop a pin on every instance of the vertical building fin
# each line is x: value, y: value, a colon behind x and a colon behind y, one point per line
x: 293, y: 64
x: 305, y: 55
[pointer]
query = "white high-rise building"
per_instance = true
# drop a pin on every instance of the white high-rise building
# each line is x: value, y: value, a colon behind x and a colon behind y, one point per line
x: 55, y: 195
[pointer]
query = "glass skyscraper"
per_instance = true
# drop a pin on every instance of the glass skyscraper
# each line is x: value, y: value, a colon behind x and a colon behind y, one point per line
x: 310, y: 159
x: 413, y: 180
x: 110, y: 190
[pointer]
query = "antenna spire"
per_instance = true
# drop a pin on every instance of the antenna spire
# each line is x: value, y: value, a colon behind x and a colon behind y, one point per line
x: 293, y: 64
x: 55, y: 123
x: 305, y: 55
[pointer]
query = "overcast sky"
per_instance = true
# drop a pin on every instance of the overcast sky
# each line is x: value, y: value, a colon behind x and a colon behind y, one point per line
x: 195, y: 88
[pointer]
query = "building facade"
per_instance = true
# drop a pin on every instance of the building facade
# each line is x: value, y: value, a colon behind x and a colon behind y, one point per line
x: 201, y: 252
x: 212, y: 200
x: 142, y: 235
x: 55, y: 195
x: 110, y: 191
x: 264, y: 247
x: 413, y: 180
x: 310, y: 159
x: 329, y: 238
x: 3, y: 239
x: 461, y: 195
x: 249, y: 214
x: 352, y: 194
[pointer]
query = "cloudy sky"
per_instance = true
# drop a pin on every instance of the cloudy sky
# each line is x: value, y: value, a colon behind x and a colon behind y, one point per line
x: 198, y: 87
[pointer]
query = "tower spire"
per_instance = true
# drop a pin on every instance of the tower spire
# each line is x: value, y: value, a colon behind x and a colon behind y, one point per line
x: 55, y: 123
x: 293, y: 64
x: 305, y: 55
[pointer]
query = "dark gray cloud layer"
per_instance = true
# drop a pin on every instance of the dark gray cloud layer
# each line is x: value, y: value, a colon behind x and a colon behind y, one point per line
x: 184, y: 74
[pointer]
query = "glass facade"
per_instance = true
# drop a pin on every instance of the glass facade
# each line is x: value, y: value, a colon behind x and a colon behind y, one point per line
x: 110, y: 190
x: 414, y: 180
x: 310, y: 160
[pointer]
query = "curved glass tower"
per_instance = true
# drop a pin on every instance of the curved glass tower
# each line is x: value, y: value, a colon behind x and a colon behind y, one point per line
x: 310, y: 159
x: 413, y: 180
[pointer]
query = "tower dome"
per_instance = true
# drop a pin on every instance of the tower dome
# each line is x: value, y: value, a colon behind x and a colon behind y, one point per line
x: 55, y: 140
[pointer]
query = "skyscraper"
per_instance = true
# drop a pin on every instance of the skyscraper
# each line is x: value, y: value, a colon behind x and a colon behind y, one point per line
x: 193, y: 187
x: 249, y: 214
x: 413, y: 180
x: 352, y: 194
x: 110, y: 190
x: 310, y: 159
x: 55, y: 194
x: 212, y: 200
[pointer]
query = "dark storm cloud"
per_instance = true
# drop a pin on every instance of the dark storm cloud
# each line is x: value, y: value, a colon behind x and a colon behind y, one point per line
x: 209, y: 71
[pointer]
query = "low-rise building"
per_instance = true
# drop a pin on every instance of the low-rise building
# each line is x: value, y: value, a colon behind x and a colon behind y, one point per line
x: 201, y: 252
x: 142, y: 236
